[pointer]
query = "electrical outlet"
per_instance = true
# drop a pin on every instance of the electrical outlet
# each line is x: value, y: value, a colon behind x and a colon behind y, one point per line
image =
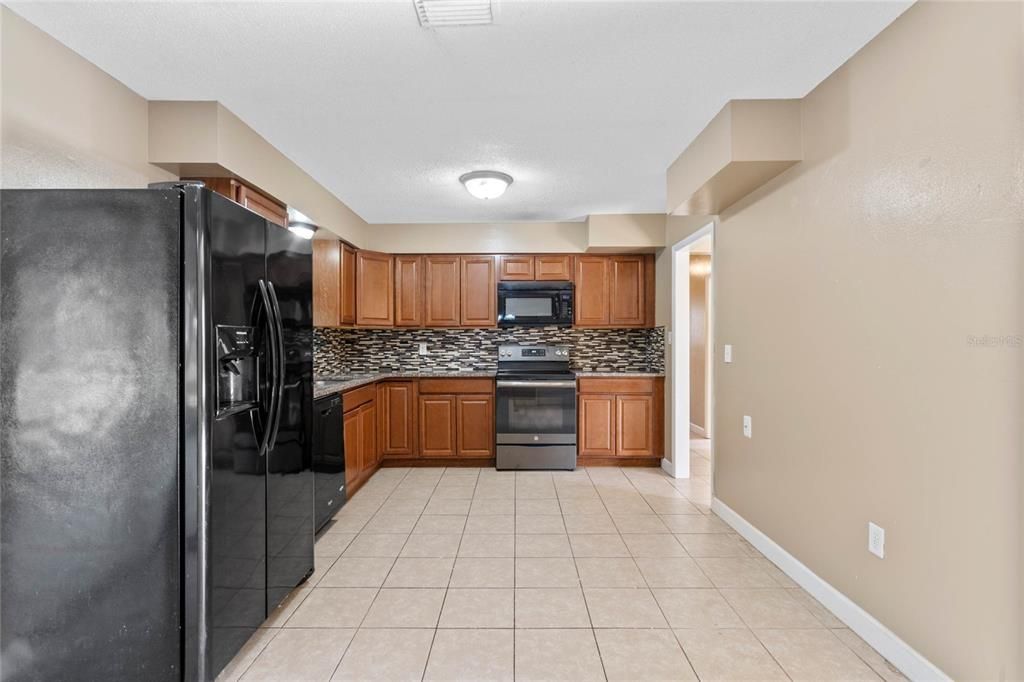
x: 423, y: 349
x: 748, y: 426
x: 668, y: 337
x: 727, y: 353
x: 876, y: 540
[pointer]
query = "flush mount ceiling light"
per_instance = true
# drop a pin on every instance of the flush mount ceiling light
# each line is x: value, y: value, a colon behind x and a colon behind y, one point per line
x: 486, y: 184
x: 440, y: 13
x: 300, y: 224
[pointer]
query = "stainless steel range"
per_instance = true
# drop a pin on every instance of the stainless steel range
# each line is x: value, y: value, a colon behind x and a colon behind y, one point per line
x: 535, y: 408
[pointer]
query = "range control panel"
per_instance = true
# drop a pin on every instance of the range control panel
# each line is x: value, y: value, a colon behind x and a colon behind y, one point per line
x: 533, y: 353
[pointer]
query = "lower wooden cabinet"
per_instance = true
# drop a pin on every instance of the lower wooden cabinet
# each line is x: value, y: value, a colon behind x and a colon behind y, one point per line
x: 437, y: 426
x: 621, y: 417
x: 396, y: 409
x: 474, y: 423
x: 362, y: 454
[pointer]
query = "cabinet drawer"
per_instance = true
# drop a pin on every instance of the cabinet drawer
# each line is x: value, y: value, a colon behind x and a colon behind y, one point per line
x: 614, y: 385
x: 457, y: 385
x: 358, y: 396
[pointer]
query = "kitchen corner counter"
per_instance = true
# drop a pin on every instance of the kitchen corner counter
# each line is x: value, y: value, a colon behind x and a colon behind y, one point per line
x: 330, y: 385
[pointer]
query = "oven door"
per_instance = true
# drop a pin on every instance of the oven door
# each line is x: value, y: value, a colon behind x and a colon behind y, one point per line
x: 536, y: 412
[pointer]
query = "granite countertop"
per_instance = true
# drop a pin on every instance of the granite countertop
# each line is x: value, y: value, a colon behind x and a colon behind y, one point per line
x: 612, y: 375
x: 328, y: 385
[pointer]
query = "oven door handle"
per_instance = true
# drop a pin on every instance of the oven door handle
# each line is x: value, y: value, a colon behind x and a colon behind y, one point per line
x: 536, y: 384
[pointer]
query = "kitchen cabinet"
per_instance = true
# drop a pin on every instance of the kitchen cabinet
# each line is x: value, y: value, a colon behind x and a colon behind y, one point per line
x: 353, y: 446
x: 408, y: 291
x: 326, y: 283
x: 369, y: 454
x: 535, y: 268
x: 475, y: 423
x: 437, y: 425
x: 375, y: 289
x: 621, y: 417
x: 479, y: 299
x: 396, y: 405
x: 626, y: 291
x: 591, y: 308
x: 456, y: 417
x: 250, y: 197
x: 362, y: 454
x: 347, y: 285
x: 442, y: 291
x: 516, y: 269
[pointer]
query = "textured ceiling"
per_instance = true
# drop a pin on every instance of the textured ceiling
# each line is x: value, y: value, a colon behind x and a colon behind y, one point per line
x: 584, y: 103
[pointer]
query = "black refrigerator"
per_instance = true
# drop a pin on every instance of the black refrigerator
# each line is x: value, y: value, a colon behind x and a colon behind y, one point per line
x: 156, y: 490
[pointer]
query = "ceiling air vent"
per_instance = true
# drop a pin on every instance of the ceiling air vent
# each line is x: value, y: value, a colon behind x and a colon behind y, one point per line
x: 441, y: 13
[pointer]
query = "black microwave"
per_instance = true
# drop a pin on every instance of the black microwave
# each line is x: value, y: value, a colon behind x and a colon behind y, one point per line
x: 535, y: 304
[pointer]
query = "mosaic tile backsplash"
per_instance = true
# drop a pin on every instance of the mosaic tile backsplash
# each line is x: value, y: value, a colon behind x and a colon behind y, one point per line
x: 351, y: 351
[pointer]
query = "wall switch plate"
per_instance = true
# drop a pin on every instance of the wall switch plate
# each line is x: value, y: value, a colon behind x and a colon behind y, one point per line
x: 727, y: 353
x: 423, y: 349
x: 748, y: 426
x: 876, y: 540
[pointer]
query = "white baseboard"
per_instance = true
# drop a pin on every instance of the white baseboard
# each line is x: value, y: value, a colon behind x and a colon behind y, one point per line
x: 882, y: 639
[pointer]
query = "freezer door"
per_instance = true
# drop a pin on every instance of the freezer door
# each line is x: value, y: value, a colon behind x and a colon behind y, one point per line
x: 89, y: 435
x: 237, y: 547
x: 290, y: 522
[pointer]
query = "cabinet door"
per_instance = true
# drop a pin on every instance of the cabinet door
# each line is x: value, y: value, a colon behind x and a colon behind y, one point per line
x: 353, y: 445
x: 408, y: 291
x: 375, y: 289
x: 262, y: 204
x: 516, y: 268
x: 591, y: 291
x: 475, y: 425
x: 347, y: 285
x: 634, y: 425
x: 553, y: 268
x: 369, y: 453
x: 437, y: 426
x: 479, y: 292
x: 597, y: 424
x: 396, y: 402
x: 326, y: 282
x: 626, y: 291
x: 442, y: 277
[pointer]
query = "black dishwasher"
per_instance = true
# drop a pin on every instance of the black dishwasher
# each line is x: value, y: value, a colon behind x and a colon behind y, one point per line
x: 328, y: 458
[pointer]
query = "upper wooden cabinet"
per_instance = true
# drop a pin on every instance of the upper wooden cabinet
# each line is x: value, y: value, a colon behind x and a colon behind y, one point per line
x: 326, y: 280
x: 251, y: 198
x: 375, y: 289
x: 615, y: 291
x: 479, y: 292
x: 408, y: 291
x: 348, y: 284
x: 592, y: 308
x: 530, y: 268
x: 441, y: 291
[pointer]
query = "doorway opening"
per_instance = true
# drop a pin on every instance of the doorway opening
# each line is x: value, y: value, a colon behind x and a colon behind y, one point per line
x: 690, y: 357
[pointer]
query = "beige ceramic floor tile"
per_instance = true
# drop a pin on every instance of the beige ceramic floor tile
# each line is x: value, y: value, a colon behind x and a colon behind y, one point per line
x: 546, y: 573
x: 551, y: 607
x: 489, y: 507
x: 405, y: 608
x: 695, y: 608
x: 623, y: 608
x: 672, y: 572
x: 358, y: 572
x: 695, y: 523
x: 398, y: 506
x: 487, y: 546
x: 300, y: 655
x: 431, y: 546
x: 478, y: 608
x: 462, y: 655
x: 608, y: 572
x: 824, y: 616
x: 417, y: 572
x: 653, y: 545
x: 814, y: 655
x: 483, y: 572
x: 582, y: 505
x: 443, y: 506
x: 391, y: 523
x: 649, y: 655
x: 546, y: 507
x: 543, y: 546
x: 598, y: 545
x: 556, y: 655
x: 437, y: 524
x: 397, y: 655
x: 576, y: 524
x: 247, y: 654
x: 882, y: 667
x: 769, y: 609
x: 377, y: 545
x: 331, y: 545
x: 670, y: 504
x: 491, y: 524
x: 534, y: 523
x: 711, y: 544
x: 728, y: 656
x: 332, y: 607
x: 639, y: 523
x: 346, y: 523
x: 735, y: 573
x: 282, y: 613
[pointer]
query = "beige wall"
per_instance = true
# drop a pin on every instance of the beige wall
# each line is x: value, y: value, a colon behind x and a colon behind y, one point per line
x: 63, y: 121
x: 478, y: 237
x: 613, y: 232
x: 850, y: 287
x: 700, y: 264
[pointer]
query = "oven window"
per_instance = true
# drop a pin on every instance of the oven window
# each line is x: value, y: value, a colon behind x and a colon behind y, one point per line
x: 529, y: 307
x: 536, y: 411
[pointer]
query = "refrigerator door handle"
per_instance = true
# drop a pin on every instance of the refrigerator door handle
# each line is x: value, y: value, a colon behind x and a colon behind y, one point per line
x: 279, y: 330
x: 272, y: 364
